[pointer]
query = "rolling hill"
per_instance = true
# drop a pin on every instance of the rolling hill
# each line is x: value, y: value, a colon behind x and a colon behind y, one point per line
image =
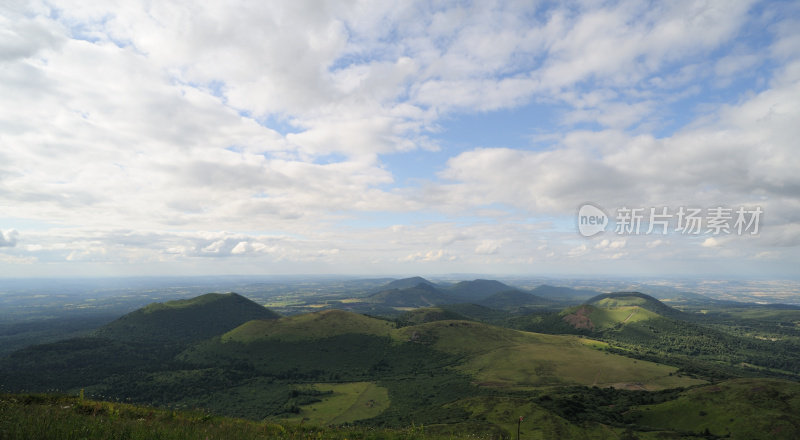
x: 745, y: 409
x: 421, y: 295
x: 613, y: 311
x: 141, y: 341
x: 429, y: 367
x: 406, y: 283
x: 741, y: 409
x: 476, y: 290
x: 505, y: 358
x: 310, y: 326
x: 635, y: 299
x: 429, y: 314
x: 513, y: 299
x: 186, y: 320
x: 645, y: 327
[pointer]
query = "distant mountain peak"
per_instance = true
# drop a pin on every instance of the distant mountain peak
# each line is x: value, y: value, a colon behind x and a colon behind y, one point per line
x: 478, y: 289
x: 426, y: 286
x: 405, y: 283
x: 510, y: 299
x: 185, y: 320
x: 643, y: 300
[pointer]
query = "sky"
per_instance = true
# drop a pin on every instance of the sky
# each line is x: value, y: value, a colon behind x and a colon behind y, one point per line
x: 399, y: 137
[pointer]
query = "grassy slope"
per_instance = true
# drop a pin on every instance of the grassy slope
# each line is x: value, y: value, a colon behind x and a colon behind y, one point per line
x: 186, y: 320
x: 494, y: 356
x: 744, y: 408
x: 605, y: 318
x: 61, y: 417
x: 423, y: 295
x: 738, y: 409
x: 503, y: 357
x: 627, y: 299
x: 512, y: 299
x: 538, y: 423
x: 310, y: 326
x: 429, y: 314
x: 347, y: 402
x: 476, y: 290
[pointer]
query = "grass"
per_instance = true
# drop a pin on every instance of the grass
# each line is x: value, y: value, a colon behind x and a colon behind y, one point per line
x: 607, y: 318
x: 537, y: 424
x: 347, y: 402
x: 501, y: 357
x: 741, y: 409
x: 604, y: 318
x: 620, y: 302
x: 310, y: 326
x: 60, y: 417
x: 186, y: 303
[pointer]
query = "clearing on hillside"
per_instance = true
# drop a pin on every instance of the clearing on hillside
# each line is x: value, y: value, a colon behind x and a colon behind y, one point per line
x: 347, y: 402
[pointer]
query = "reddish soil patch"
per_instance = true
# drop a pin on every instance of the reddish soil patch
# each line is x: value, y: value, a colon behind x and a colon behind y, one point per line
x: 580, y: 319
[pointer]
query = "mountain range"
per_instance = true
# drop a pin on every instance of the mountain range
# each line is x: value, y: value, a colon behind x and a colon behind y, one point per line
x: 455, y: 357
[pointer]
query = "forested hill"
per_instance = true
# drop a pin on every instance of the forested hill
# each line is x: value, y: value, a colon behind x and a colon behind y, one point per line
x: 186, y: 320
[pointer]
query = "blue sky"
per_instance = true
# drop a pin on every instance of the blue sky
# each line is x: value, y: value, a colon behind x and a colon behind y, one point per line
x: 394, y: 137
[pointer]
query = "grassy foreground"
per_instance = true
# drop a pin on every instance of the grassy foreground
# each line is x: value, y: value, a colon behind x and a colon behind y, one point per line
x: 39, y: 416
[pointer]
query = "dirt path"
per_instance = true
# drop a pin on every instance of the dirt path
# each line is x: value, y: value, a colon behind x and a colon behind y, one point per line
x: 636, y: 310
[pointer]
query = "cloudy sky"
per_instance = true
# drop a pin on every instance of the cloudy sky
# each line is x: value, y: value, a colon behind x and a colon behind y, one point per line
x: 380, y: 137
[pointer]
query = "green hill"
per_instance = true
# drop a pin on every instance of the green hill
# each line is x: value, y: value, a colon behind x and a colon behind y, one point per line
x: 324, y: 324
x: 513, y: 299
x: 645, y: 327
x: 637, y: 299
x: 476, y: 290
x: 429, y: 314
x: 488, y: 354
x: 406, y: 283
x: 41, y: 416
x: 746, y: 409
x: 596, y: 318
x: 142, y: 341
x: 741, y: 409
x: 477, y: 312
x: 334, y: 366
x: 421, y: 295
x: 186, y: 320
x: 501, y: 357
x: 615, y: 311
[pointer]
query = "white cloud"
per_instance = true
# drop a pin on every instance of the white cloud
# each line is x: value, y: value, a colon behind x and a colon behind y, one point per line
x: 127, y: 121
x: 710, y: 242
x: 488, y: 247
x: 8, y: 238
x: 607, y: 244
x: 746, y: 156
x: 429, y: 256
x: 578, y: 251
